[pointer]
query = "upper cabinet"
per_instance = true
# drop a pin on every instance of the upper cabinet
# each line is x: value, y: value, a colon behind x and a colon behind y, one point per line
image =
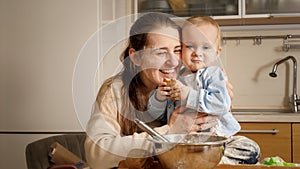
x: 186, y: 8
x: 228, y: 12
x: 269, y: 8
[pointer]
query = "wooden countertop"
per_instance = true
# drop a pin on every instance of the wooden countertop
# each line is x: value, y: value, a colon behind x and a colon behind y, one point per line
x: 264, y: 116
x: 156, y: 165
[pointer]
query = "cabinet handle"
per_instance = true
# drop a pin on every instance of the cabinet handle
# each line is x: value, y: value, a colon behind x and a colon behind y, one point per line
x: 274, y: 131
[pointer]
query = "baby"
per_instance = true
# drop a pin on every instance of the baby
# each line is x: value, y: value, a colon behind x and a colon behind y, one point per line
x: 201, y: 85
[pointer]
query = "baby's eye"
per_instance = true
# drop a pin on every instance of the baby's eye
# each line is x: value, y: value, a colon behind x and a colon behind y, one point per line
x: 205, y: 47
x: 189, y: 46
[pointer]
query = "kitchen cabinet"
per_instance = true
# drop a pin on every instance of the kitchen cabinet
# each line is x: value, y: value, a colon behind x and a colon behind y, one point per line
x: 223, y: 9
x: 274, y: 139
x: 228, y: 12
x: 296, y: 142
x: 267, y: 8
x: 186, y: 8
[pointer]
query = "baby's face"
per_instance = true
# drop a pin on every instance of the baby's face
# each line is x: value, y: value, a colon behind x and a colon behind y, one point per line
x: 200, y: 46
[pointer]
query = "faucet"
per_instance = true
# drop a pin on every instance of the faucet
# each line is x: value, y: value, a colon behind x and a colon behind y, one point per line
x: 295, y: 99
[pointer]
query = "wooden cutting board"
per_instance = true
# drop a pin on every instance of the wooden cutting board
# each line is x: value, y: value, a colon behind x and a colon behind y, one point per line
x: 156, y: 165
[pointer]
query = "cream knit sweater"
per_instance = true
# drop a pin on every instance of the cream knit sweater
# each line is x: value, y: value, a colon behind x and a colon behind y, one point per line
x: 105, y: 147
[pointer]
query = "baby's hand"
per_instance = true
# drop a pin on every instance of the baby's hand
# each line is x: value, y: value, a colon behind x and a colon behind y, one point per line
x: 179, y: 91
x: 173, y: 89
x: 164, y: 89
x: 175, y: 92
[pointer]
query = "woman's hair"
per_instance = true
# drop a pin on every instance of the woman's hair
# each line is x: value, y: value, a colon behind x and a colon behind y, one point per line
x: 203, y: 20
x: 133, y: 87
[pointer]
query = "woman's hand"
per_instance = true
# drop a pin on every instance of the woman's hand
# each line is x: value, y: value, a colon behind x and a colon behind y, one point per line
x: 184, y: 120
x: 163, y: 91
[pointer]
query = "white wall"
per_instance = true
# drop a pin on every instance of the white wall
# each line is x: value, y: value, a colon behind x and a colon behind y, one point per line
x: 248, y: 67
x: 44, y: 39
x: 39, y: 44
x: 3, y: 40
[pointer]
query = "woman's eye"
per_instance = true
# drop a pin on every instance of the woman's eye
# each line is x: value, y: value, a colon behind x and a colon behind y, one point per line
x: 161, y: 53
x: 178, y: 51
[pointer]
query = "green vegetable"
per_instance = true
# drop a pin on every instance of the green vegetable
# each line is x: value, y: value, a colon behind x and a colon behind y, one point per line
x: 222, y: 149
x: 276, y: 161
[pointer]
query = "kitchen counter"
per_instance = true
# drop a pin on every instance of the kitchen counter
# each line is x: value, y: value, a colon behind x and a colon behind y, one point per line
x: 156, y: 165
x: 266, y: 116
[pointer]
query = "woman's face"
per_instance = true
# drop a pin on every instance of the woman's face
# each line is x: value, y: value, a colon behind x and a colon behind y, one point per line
x: 200, y: 48
x: 161, y: 56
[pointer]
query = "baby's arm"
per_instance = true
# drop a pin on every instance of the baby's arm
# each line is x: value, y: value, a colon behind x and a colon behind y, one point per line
x: 212, y: 96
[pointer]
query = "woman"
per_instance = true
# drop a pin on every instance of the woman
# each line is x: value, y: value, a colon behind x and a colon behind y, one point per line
x: 152, y: 54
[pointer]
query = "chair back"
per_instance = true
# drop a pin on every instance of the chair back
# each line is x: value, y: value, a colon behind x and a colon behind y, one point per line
x: 37, y: 152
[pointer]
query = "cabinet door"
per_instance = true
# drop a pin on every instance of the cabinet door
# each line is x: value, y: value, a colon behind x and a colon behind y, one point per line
x: 274, y: 139
x: 186, y: 8
x: 265, y: 8
x: 296, y: 142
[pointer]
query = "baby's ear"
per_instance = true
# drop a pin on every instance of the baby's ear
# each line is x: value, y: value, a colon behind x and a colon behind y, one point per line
x: 134, y: 57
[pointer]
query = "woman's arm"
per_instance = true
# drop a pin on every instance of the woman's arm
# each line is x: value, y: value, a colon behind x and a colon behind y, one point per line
x: 105, y: 146
x: 156, y: 109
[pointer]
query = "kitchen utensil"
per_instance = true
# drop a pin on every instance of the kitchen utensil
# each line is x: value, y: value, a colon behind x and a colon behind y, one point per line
x: 150, y: 131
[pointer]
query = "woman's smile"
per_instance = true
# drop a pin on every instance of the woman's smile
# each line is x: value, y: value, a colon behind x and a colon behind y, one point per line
x: 168, y: 73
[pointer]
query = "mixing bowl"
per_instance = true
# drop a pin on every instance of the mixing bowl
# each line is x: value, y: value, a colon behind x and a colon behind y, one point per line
x: 190, y: 151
